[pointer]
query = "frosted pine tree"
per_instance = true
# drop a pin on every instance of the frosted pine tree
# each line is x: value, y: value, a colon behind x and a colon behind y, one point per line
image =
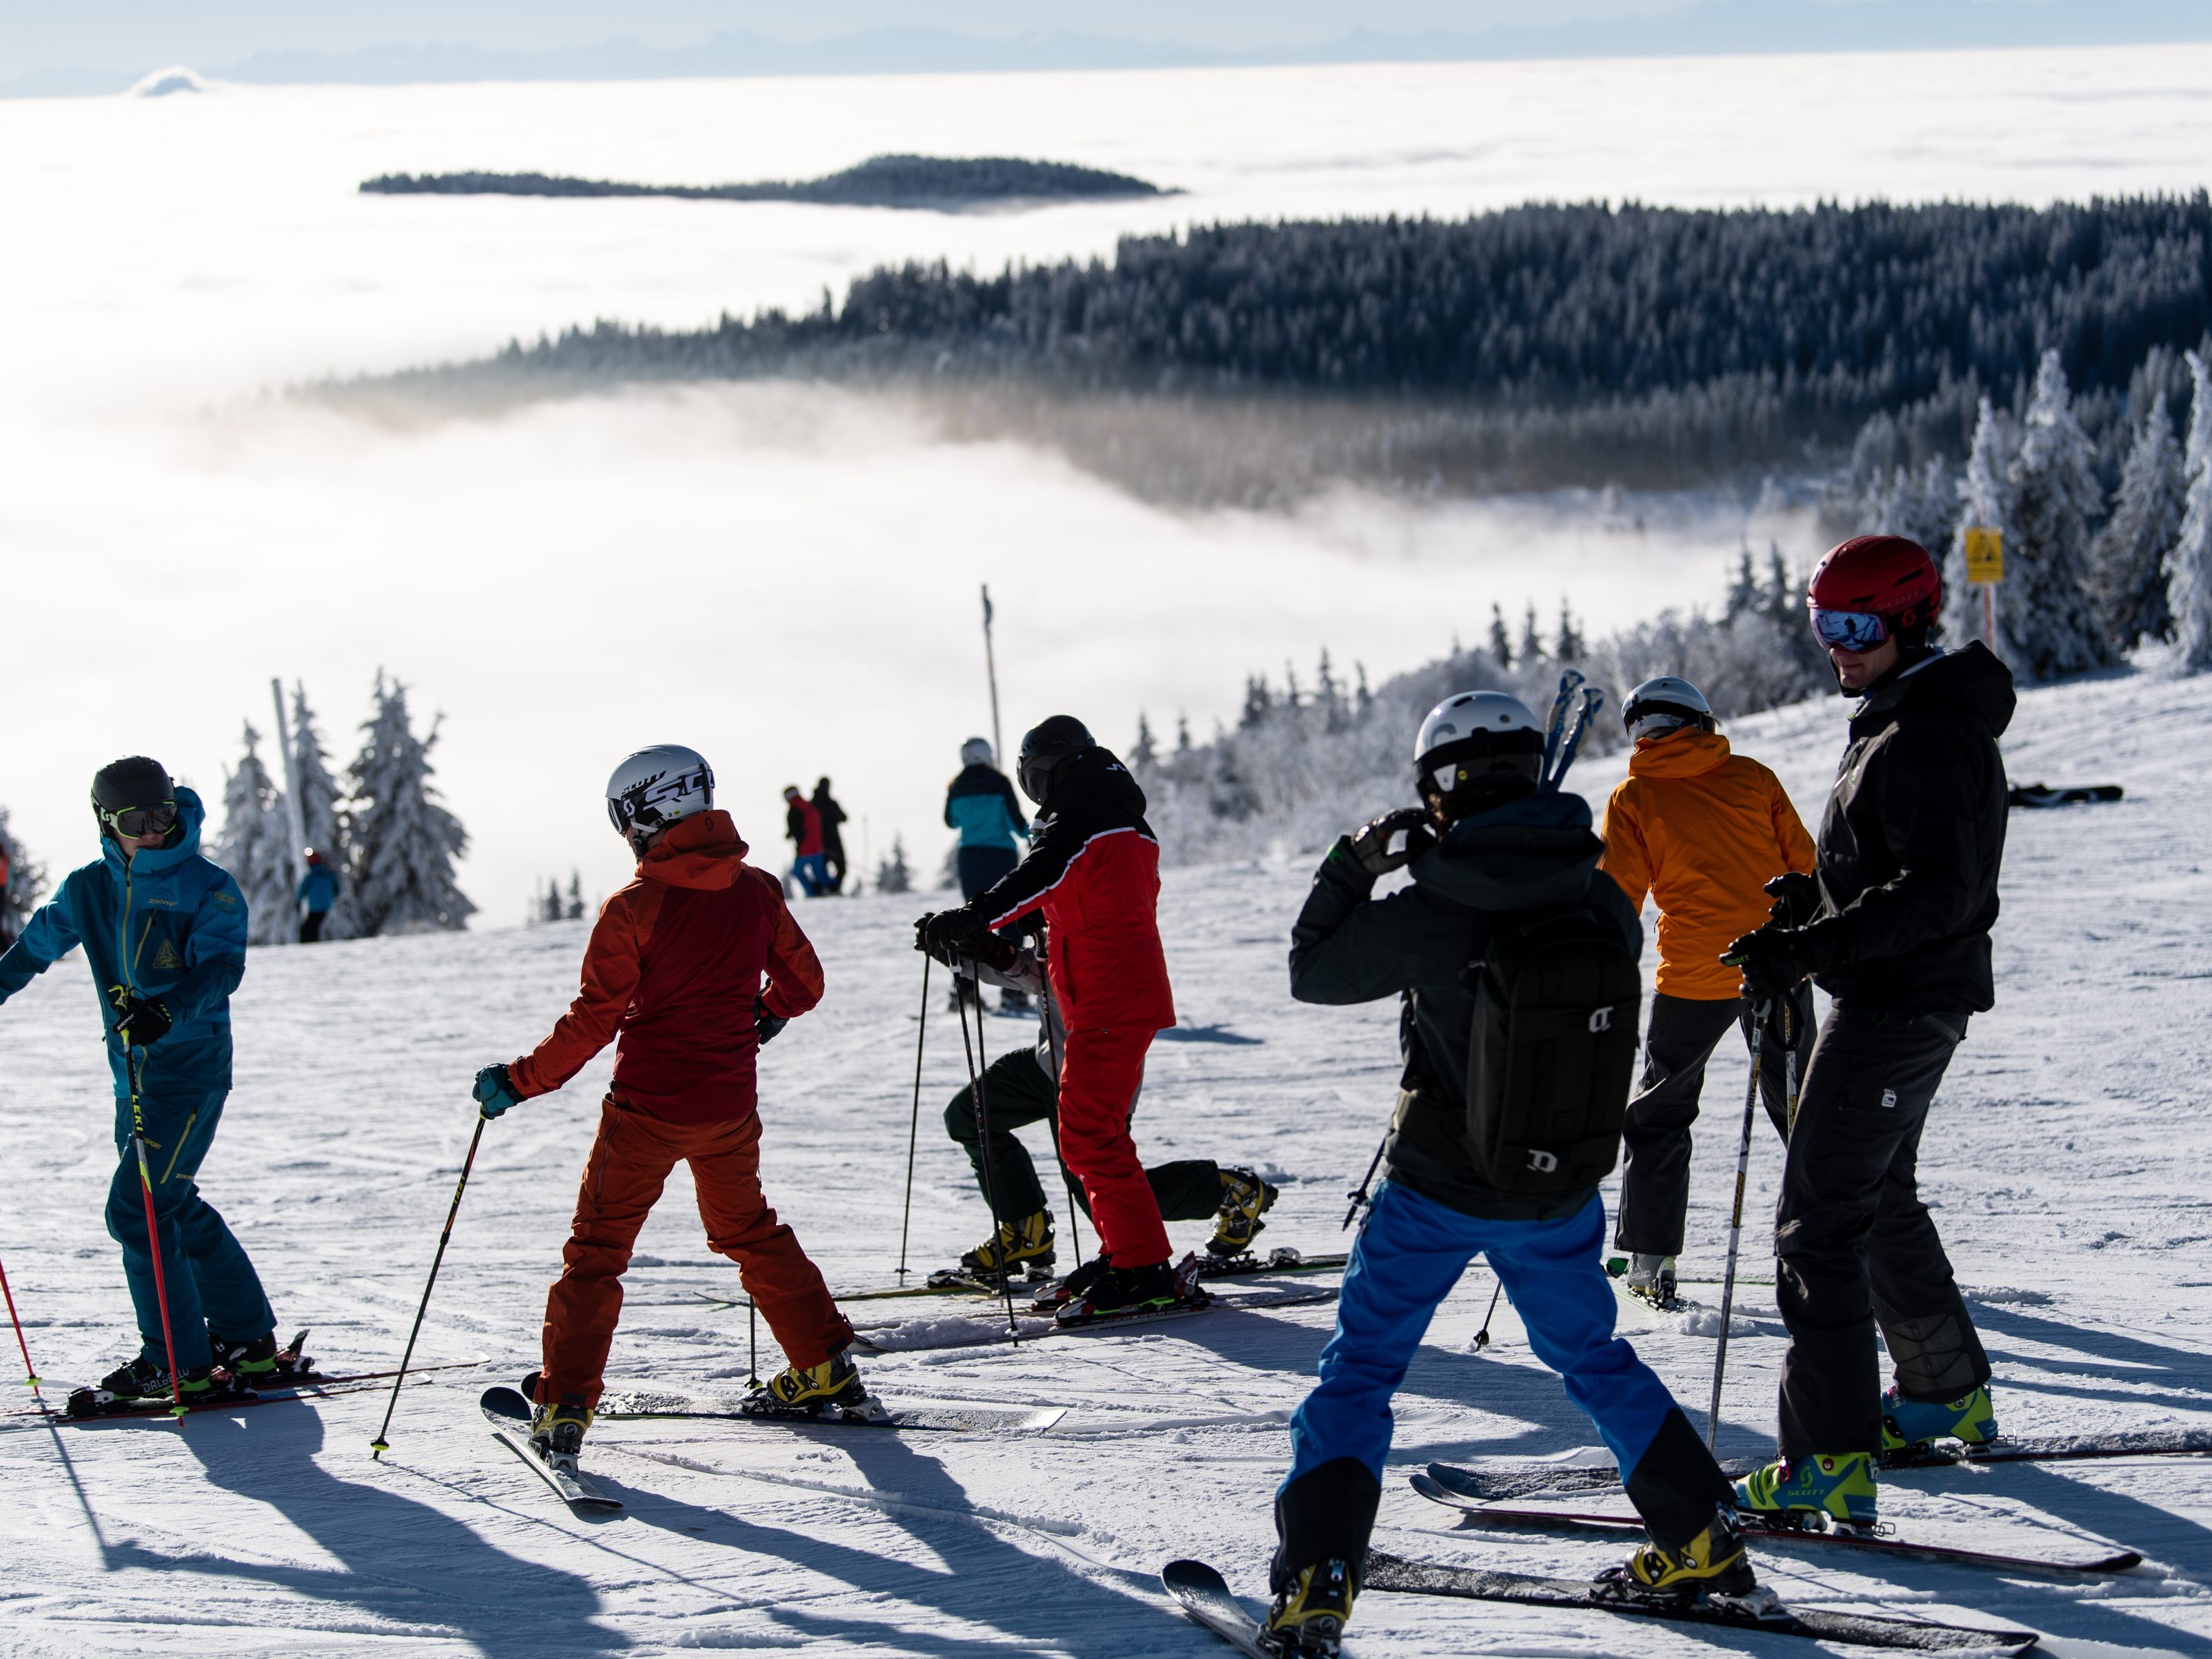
x: 19, y: 887
x: 1984, y: 498
x: 255, y: 848
x: 404, y: 843
x: 2190, y: 594
x: 892, y: 875
x: 2051, y: 620
x: 322, y: 812
x: 2128, y: 573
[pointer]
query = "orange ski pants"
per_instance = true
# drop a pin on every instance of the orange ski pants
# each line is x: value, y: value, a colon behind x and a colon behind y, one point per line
x: 628, y: 1166
x: 1099, y: 1076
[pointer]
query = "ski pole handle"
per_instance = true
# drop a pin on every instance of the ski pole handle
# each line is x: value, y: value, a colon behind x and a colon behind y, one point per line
x: 378, y: 1446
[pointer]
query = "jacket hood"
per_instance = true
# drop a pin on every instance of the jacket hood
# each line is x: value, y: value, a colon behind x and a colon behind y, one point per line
x: 1097, y: 773
x: 704, y: 852
x: 1970, y: 682
x: 192, y: 814
x: 1685, y: 753
x: 1536, y: 851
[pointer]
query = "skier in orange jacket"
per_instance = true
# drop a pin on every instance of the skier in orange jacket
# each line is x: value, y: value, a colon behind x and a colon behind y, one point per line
x: 1701, y: 830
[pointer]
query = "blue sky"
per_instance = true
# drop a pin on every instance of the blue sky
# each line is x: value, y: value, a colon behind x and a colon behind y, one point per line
x: 307, y: 40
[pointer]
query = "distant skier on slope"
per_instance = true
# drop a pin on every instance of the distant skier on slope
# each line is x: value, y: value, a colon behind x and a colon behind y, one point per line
x: 1894, y: 925
x: 833, y: 837
x: 164, y: 934
x: 802, y: 827
x: 692, y: 966
x: 980, y: 804
x: 1021, y: 1087
x: 318, y: 889
x: 1701, y: 831
x: 1093, y: 872
x: 1504, y: 875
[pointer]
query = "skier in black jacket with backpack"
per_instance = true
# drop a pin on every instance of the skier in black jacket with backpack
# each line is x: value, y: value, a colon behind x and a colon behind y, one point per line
x: 1895, y: 924
x: 1505, y: 889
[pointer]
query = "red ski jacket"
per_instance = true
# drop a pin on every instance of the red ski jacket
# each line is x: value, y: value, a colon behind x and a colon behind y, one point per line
x: 1093, y: 871
x: 675, y: 966
x: 802, y: 826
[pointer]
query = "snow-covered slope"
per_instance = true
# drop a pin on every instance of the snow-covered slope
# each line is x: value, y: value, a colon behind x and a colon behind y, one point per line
x: 2068, y: 1153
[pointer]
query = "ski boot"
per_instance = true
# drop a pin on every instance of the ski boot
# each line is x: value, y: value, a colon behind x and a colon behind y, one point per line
x: 556, y: 1433
x: 1711, y: 1563
x: 1133, y: 1290
x: 1013, y: 1000
x: 1807, y: 1494
x: 1651, y: 1278
x: 834, y: 1387
x: 145, y: 1382
x: 1912, y: 1426
x: 1307, y: 1618
x: 1244, y: 1199
x: 1025, y: 1246
x: 1062, y: 1291
x: 259, y: 1363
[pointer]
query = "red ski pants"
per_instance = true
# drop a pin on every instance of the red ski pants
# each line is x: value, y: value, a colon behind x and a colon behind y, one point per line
x: 623, y: 1179
x: 1099, y: 1076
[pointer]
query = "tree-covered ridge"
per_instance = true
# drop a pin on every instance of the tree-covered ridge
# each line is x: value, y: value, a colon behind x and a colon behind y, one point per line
x: 908, y: 182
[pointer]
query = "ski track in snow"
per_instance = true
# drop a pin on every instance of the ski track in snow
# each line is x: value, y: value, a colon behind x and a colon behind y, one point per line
x: 2068, y: 1154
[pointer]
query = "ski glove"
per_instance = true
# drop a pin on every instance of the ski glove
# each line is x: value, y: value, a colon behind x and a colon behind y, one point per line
x: 953, y: 935
x: 765, y: 1024
x: 1796, y: 898
x: 1370, y: 843
x: 146, y: 1020
x: 1772, y: 961
x: 494, y: 1092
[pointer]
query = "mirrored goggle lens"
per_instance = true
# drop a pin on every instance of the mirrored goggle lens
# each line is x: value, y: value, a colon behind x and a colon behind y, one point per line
x: 1849, y: 631
x: 134, y: 822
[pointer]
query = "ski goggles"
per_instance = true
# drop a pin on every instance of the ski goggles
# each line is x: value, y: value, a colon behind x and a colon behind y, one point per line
x: 136, y: 822
x: 1849, y: 631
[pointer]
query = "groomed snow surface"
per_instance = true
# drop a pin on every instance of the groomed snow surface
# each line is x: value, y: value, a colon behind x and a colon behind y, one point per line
x: 2068, y: 1153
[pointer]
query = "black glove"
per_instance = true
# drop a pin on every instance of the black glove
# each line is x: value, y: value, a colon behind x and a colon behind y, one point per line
x: 954, y: 935
x: 1772, y: 961
x: 1796, y: 898
x: 1370, y: 843
x: 765, y: 1024
x: 147, y: 1020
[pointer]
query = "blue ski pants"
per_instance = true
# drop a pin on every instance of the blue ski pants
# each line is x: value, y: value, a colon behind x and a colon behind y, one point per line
x: 210, y: 1283
x: 1409, y: 1255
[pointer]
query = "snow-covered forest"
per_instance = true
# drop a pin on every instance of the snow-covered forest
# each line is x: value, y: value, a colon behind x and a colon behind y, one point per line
x: 381, y: 828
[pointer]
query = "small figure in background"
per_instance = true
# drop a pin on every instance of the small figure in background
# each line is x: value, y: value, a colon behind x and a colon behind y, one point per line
x: 802, y: 827
x: 981, y: 803
x: 833, y: 840
x: 318, y: 889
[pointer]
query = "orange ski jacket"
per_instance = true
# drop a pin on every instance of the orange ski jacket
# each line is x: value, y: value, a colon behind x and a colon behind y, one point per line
x: 1701, y: 831
x: 675, y: 969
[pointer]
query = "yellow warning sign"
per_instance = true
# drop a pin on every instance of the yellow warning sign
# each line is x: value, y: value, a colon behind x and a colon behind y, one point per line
x: 1984, y: 553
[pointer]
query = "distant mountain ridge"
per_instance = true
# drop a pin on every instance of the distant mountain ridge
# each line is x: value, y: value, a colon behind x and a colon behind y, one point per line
x: 1717, y: 27
x: 893, y: 181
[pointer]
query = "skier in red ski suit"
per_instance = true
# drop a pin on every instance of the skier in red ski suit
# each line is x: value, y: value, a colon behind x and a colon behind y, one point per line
x: 1092, y: 874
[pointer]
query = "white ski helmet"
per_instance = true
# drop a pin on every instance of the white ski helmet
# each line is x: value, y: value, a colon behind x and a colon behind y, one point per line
x: 1664, y: 705
x: 976, y: 751
x: 656, y: 787
x: 1477, y: 750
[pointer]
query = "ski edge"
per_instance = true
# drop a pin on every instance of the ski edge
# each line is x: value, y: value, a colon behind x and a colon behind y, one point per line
x: 1206, y: 1600
x: 578, y: 1494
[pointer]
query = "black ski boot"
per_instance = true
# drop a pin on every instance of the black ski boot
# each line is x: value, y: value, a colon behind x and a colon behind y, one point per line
x: 145, y: 1382
x: 1057, y: 1294
x: 1136, y: 1290
x: 1013, y: 1000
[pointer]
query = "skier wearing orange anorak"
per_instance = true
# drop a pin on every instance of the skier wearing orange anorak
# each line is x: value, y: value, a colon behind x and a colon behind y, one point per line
x: 695, y: 964
x: 1701, y: 831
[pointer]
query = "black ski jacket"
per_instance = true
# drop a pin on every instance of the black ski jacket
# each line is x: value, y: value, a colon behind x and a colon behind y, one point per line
x: 1912, y: 842
x: 1418, y: 942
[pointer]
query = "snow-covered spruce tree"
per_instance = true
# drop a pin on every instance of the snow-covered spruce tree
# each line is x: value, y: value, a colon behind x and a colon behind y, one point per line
x: 1984, y: 498
x: 255, y: 847
x: 404, y: 842
x: 2127, y: 572
x: 576, y: 911
x: 323, y: 812
x: 892, y: 875
x: 19, y: 892
x: 2052, y: 621
x: 2190, y: 591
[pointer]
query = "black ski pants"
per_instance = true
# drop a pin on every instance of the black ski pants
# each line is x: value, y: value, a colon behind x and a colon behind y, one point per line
x: 1655, y: 1175
x: 1017, y: 1091
x: 1855, y: 1246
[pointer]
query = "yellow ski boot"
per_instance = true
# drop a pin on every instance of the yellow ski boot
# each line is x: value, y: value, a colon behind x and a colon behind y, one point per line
x: 1307, y: 1618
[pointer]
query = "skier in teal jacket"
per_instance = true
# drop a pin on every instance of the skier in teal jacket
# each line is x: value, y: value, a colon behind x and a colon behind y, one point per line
x: 164, y: 934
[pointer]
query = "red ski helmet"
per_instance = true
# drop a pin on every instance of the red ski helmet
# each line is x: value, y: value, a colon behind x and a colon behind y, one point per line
x: 1884, y: 576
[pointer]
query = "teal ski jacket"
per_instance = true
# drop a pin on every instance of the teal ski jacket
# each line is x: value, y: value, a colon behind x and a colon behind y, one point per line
x: 168, y: 924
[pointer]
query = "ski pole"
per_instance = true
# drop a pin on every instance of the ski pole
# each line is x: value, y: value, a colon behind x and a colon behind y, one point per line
x: 30, y: 1372
x: 1482, y: 1336
x: 1359, y: 1199
x: 983, y: 1145
x: 1735, y: 1229
x: 378, y: 1446
x: 153, y: 1230
x: 914, y: 1124
x: 1052, y: 1123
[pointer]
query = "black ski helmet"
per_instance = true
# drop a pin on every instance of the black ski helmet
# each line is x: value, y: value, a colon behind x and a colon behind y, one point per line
x: 134, y: 781
x: 1044, y: 746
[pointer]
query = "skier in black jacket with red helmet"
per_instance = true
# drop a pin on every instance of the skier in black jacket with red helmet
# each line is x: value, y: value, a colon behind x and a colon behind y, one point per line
x: 1895, y: 924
